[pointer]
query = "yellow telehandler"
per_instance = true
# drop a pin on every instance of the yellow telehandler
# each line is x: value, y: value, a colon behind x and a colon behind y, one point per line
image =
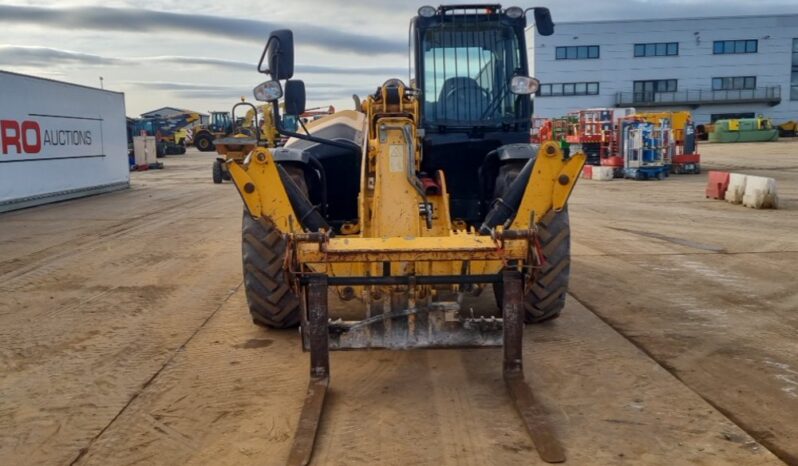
x: 428, y: 191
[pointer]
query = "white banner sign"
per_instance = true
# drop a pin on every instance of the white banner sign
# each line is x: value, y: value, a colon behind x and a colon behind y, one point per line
x: 59, y: 140
x: 40, y: 136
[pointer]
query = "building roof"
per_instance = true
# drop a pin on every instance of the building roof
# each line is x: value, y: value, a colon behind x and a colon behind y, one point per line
x: 159, y: 111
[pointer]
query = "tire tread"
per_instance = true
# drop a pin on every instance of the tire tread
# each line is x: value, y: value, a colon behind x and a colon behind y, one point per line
x: 271, y: 300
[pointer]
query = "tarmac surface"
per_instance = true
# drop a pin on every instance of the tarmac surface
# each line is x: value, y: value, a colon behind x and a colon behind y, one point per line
x: 125, y: 339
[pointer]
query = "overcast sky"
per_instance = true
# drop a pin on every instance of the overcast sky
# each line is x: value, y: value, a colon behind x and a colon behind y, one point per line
x: 201, y: 54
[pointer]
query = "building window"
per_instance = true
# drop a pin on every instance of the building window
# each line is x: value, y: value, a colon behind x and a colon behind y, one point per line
x: 657, y: 49
x: 733, y: 83
x: 577, y: 52
x: 794, y: 77
x: 645, y: 91
x: 558, y: 89
x: 720, y: 47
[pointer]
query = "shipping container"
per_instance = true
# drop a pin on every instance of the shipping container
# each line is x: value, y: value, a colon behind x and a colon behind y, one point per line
x: 59, y: 141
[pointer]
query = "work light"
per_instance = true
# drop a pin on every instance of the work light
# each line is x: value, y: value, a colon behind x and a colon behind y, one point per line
x: 268, y: 91
x: 426, y: 11
x: 524, y: 85
x: 514, y: 12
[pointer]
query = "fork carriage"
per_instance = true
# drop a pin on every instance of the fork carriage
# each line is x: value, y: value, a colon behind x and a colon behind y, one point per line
x: 401, y: 322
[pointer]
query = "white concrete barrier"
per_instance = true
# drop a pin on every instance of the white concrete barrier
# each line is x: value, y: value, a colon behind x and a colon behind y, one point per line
x: 603, y: 173
x: 736, y: 190
x: 760, y: 193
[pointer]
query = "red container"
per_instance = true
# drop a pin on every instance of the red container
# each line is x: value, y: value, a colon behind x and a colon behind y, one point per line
x: 587, y: 172
x: 717, y: 184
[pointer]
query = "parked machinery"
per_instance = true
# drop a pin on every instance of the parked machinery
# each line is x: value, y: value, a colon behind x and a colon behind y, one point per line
x: 758, y: 129
x: 540, y: 131
x: 788, y: 129
x: 643, y: 150
x: 400, y: 208
x: 613, y: 156
x: 664, y: 132
x: 202, y: 136
x: 684, y: 157
x: 168, y: 133
x: 595, y: 132
x: 564, y: 128
x: 313, y: 114
x: 174, y: 127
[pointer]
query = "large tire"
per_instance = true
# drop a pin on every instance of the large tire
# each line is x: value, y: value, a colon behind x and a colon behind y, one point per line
x: 271, y: 300
x: 545, y: 299
x: 218, y: 176
x: 204, y: 142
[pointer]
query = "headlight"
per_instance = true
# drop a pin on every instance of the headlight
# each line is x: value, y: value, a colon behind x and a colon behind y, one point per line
x: 427, y: 11
x: 268, y: 91
x: 524, y: 85
x: 514, y: 12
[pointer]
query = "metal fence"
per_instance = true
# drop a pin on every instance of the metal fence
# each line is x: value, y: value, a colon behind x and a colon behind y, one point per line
x: 770, y: 95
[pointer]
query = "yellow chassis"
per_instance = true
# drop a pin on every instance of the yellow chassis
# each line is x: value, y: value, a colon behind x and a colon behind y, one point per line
x: 553, y: 179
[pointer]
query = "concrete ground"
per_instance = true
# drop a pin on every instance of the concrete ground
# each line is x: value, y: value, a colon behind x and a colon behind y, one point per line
x: 124, y: 338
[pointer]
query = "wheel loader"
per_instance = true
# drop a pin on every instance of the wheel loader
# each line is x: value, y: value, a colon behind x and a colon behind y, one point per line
x: 369, y: 227
x: 203, y: 136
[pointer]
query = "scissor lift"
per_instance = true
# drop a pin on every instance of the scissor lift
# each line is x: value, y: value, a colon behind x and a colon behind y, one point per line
x: 643, y: 151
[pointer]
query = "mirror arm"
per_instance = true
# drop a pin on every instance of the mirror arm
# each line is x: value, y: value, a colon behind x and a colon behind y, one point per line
x: 254, y: 118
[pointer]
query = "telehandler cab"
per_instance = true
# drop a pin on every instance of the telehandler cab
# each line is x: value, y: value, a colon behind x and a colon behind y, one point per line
x: 428, y: 191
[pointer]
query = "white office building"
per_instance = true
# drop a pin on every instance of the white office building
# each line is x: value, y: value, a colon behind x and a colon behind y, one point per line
x: 720, y: 67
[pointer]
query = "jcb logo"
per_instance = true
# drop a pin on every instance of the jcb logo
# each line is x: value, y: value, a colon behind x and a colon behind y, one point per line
x: 25, y: 138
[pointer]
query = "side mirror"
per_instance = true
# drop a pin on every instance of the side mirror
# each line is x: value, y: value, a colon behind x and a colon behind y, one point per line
x: 295, y: 97
x: 277, y: 59
x: 268, y: 91
x: 543, y: 22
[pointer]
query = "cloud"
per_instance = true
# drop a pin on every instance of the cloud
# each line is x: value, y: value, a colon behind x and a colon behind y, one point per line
x: 316, y: 92
x: 147, y: 21
x: 251, y: 66
x: 191, y: 90
x: 24, y: 55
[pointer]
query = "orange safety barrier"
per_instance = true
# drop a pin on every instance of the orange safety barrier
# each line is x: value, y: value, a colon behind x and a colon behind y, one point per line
x: 717, y: 184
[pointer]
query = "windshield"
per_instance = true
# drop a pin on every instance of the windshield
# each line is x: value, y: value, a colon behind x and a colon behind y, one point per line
x: 467, y: 70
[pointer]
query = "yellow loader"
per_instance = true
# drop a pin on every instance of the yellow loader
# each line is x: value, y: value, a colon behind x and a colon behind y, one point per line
x: 393, y: 212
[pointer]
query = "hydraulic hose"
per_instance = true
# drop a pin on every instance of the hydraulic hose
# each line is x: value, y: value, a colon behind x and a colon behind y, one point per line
x: 309, y: 217
x: 314, y: 162
x: 504, y: 208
